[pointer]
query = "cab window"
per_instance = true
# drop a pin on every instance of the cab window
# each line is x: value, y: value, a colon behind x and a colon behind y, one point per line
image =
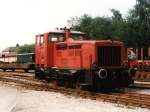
x: 56, y: 37
x: 77, y: 36
x: 42, y: 39
x: 38, y: 40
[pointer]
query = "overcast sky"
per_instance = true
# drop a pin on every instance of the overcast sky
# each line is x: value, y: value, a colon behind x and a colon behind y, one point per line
x: 21, y: 20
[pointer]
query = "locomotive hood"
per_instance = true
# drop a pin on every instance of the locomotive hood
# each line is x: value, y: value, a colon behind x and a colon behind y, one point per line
x: 96, y: 42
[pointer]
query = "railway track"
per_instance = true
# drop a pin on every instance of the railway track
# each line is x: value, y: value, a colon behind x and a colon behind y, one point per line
x: 125, y: 98
x: 142, y: 75
x: 17, y: 74
x: 141, y: 85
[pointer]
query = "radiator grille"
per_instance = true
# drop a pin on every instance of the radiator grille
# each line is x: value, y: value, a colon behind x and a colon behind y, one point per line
x: 109, y: 55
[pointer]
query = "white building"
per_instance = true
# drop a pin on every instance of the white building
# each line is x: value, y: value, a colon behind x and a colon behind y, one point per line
x: 8, y: 55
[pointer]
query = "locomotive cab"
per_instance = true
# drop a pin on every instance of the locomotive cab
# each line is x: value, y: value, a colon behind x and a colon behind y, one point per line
x: 63, y: 56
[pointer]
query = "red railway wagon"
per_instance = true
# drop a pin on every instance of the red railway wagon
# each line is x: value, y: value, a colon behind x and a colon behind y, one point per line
x: 139, y: 58
x: 63, y: 56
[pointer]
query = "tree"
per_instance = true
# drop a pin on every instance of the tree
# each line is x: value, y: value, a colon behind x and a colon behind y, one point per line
x: 94, y: 27
x: 99, y: 27
x: 139, y: 20
x: 117, y: 16
x: 73, y: 21
x: 83, y: 25
x: 17, y: 45
x: 142, y: 8
x: 133, y: 30
x: 118, y: 24
x: 27, y: 48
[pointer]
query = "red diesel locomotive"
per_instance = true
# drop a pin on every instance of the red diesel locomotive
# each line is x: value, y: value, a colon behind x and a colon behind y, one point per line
x: 64, y: 57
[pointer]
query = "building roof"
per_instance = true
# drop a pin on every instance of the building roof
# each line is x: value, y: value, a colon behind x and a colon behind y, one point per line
x: 9, y: 49
x: 8, y: 52
x: 11, y: 54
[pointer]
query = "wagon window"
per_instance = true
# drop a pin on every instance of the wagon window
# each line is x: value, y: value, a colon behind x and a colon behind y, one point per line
x: 56, y: 37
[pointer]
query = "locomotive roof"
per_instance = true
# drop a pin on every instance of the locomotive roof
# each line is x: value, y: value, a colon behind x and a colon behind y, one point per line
x: 87, y: 41
x: 62, y: 31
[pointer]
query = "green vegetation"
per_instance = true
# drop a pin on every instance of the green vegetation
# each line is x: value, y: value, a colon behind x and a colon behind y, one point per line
x: 134, y: 29
x: 27, y: 48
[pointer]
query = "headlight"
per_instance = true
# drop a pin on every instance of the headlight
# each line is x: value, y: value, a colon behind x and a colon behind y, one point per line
x: 102, y: 73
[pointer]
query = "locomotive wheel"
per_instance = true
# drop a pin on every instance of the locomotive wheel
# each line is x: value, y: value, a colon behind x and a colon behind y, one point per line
x: 4, y: 70
x: 26, y: 70
x: 70, y: 84
x: 39, y: 76
x: 13, y: 70
x: 48, y: 80
x: 55, y: 84
x: 78, y: 87
x: 36, y: 76
x: 83, y: 86
x: 97, y: 83
x: 66, y: 84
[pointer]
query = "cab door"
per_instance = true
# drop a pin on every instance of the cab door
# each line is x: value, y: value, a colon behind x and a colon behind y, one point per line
x: 39, y: 50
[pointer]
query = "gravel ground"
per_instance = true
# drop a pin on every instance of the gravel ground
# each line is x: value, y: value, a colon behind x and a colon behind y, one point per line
x: 20, y: 100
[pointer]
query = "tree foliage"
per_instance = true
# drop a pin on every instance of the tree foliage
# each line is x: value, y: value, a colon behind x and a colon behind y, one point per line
x: 134, y: 29
x: 100, y: 27
x: 139, y: 24
x: 27, y: 48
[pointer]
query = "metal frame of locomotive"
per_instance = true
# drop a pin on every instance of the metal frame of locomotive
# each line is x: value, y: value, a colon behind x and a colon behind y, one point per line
x: 24, y: 62
x: 64, y: 57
